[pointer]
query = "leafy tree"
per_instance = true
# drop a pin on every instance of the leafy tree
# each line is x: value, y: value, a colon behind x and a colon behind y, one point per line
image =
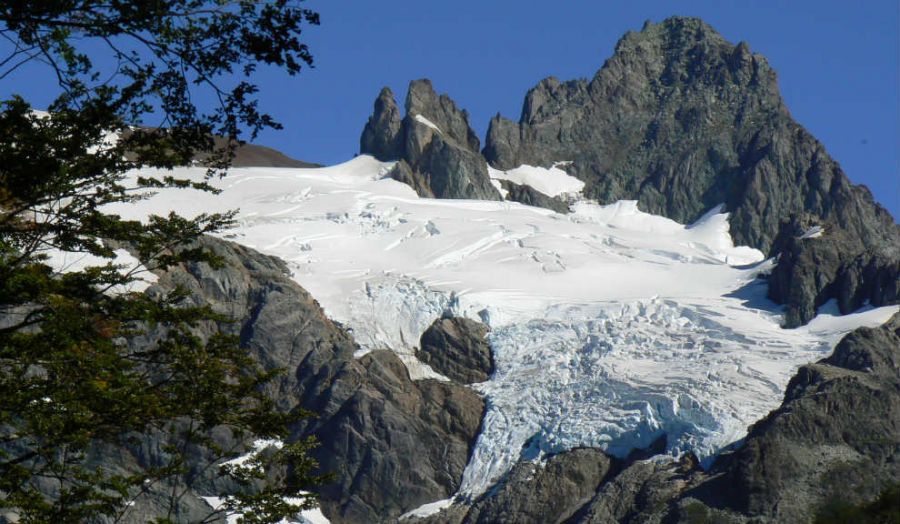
x: 72, y: 380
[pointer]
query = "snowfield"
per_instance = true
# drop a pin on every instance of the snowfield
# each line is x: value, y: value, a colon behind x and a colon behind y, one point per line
x: 610, y: 327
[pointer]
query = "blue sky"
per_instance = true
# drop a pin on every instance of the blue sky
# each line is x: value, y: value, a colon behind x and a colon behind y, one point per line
x: 838, y: 66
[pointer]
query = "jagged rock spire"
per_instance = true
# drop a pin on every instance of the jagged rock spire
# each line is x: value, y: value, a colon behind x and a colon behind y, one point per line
x: 421, y: 99
x: 437, y: 149
x: 381, y: 136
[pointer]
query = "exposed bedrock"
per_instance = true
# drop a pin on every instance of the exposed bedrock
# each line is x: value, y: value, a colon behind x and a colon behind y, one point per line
x: 832, y: 265
x: 458, y: 349
x: 393, y: 444
x: 525, y: 194
x: 434, y: 140
x: 381, y: 136
x: 390, y: 443
x: 682, y: 120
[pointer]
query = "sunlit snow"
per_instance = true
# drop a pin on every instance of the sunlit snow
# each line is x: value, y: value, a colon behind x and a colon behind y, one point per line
x: 307, y: 516
x: 551, y: 181
x: 813, y: 232
x: 67, y: 262
x: 426, y: 510
x: 610, y: 326
x: 429, y: 123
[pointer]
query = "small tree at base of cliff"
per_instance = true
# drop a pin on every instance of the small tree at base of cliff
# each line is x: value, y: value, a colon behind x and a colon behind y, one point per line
x: 74, y: 379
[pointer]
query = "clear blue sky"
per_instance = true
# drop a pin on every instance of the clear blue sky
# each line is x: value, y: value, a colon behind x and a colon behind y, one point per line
x: 838, y: 64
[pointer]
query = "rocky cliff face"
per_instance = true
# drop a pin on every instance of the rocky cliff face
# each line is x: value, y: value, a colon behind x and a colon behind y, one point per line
x: 390, y: 444
x: 681, y: 120
x: 458, y: 349
x: 439, y: 151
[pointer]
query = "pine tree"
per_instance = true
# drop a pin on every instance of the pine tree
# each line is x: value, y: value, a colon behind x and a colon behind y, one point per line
x: 72, y: 380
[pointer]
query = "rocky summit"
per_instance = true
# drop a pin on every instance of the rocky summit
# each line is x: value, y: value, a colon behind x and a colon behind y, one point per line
x: 682, y: 120
x: 437, y: 150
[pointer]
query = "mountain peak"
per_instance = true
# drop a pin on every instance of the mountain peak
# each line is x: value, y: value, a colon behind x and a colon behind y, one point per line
x: 436, y: 149
x: 682, y: 120
x: 440, y: 110
x: 381, y: 136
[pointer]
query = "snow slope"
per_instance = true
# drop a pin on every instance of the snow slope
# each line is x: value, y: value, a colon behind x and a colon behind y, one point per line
x: 551, y: 181
x: 610, y: 326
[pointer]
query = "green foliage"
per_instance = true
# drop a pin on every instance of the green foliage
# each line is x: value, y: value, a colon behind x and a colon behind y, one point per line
x: 884, y: 510
x: 85, y: 365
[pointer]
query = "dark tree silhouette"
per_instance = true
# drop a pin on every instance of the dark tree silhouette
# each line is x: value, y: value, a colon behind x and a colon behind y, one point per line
x: 141, y: 84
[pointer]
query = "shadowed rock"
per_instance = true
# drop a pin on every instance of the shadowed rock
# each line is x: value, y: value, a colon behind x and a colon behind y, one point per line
x: 390, y: 443
x: 458, y: 349
x: 393, y: 444
x: 525, y: 194
x: 434, y: 140
x: 401, y: 172
x: 381, y: 136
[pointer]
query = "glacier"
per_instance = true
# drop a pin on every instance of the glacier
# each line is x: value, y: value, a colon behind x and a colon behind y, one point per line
x: 610, y: 327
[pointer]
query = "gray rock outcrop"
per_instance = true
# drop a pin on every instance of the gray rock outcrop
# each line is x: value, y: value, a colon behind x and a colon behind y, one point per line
x: 525, y: 194
x: 401, y: 172
x: 682, y: 120
x: 393, y: 444
x: 434, y: 140
x: 458, y: 349
x: 381, y: 137
x: 814, y: 269
x: 835, y: 438
x: 389, y: 443
x: 549, y: 493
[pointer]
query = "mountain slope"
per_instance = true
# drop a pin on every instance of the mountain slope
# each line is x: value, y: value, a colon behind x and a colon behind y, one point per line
x: 521, y: 359
x: 681, y: 120
x: 609, y: 328
x: 390, y: 443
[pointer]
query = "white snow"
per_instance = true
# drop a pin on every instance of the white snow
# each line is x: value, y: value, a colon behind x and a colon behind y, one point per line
x: 813, y: 232
x: 308, y: 516
x: 499, y: 187
x: 429, y: 123
x: 426, y: 510
x: 551, y: 181
x: 610, y: 326
x: 69, y: 262
x: 256, y: 448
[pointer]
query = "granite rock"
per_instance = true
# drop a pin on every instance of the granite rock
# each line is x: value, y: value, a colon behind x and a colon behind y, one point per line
x: 525, y: 194
x: 381, y: 135
x: 434, y: 140
x: 458, y: 349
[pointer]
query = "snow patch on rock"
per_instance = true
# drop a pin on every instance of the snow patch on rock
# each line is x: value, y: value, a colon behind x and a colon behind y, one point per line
x: 551, y: 181
x: 421, y: 119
